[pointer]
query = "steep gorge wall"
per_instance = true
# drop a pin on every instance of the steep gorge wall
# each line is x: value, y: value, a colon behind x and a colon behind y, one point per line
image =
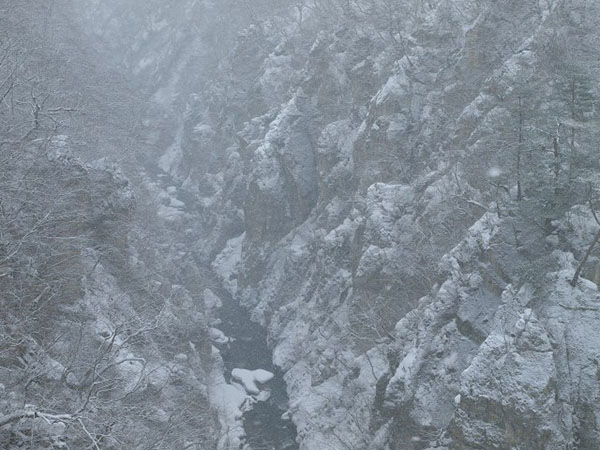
x: 352, y: 200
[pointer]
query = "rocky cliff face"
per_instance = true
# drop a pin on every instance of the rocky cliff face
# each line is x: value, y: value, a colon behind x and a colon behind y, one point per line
x: 411, y: 299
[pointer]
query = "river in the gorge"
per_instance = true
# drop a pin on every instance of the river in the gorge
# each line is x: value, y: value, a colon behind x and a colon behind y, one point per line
x: 264, y: 426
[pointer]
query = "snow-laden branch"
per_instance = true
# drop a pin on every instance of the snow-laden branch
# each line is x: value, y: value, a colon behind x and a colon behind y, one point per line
x: 33, y: 414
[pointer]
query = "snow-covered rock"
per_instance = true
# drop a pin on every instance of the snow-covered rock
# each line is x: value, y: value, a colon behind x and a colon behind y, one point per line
x: 252, y: 380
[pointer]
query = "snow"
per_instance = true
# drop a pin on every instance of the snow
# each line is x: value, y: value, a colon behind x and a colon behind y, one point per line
x: 159, y: 25
x: 230, y: 400
x: 263, y: 396
x: 405, y: 369
x: 169, y: 213
x: 217, y: 336
x: 142, y: 64
x: 170, y: 160
x: 494, y: 172
x: 181, y: 358
x: 203, y: 130
x: 474, y: 109
x: 299, y: 246
x: 392, y: 87
x: 250, y: 379
x: 211, y: 300
x: 338, y: 236
x: 175, y: 203
x: 373, y: 365
x: 226, y: 262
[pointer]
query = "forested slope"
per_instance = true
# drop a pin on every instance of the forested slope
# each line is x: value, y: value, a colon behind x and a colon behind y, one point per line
x: 103, y: 341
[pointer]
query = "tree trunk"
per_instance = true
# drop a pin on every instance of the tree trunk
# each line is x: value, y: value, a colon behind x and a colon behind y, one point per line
x: 584, y: 260
x: 519, y: 152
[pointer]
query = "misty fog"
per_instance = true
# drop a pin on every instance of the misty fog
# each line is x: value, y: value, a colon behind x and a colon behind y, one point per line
x: 299, y: 224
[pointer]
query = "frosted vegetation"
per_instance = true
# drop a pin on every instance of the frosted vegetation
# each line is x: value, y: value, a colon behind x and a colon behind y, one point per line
x: 307, y: 224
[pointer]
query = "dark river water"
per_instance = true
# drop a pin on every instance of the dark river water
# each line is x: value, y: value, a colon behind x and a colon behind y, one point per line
x: 265, y: 429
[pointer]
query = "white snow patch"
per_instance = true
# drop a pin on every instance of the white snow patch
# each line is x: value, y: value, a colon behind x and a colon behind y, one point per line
x: 226, y: 263
x: 230, y: 401
x: 175, y: 203
x: 211, y: 300
x: 217, y: 336
x: 169, y: 162
x: 168, y: 213
x: 494, y: 172
x: 142, y: 64
x: 392, y: 87
x: 250, y: 379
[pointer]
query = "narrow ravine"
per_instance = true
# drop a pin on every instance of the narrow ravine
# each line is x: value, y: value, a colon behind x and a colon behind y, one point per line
x: 264, y: 426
